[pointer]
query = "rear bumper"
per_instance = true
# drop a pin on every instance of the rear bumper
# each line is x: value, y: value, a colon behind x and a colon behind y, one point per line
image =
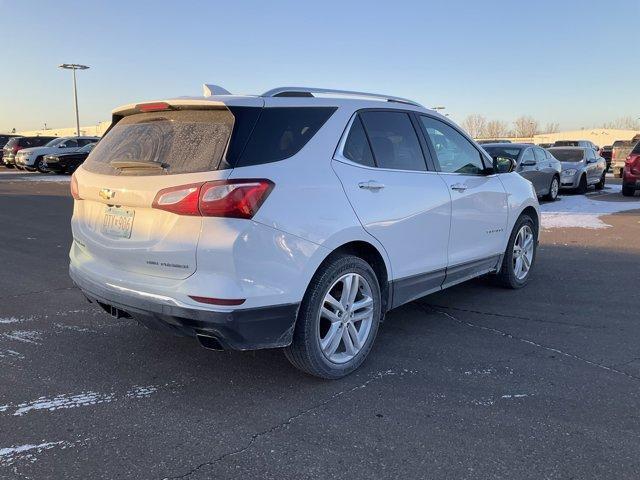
x: 240, y: 329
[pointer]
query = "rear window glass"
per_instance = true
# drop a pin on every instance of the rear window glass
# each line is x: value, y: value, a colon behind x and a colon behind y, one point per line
x: 175, y: 141
x: 566, y: 143
x: 356, y: 147
x: 281, y: 132
x: 508, y: 152
x: 568, y: 155
x: 636, y: 149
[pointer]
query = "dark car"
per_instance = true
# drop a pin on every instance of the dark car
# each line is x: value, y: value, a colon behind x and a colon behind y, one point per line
x: 15, y: 144
x: 67, y: 162
x: 4, y: 138
x: 535, y: 164
x: 545, y: 145
x: 606, y: 152
x: 484, y: 142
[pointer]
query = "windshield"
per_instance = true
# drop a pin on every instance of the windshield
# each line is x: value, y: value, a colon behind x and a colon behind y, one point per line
x: 54, y: 142
x: 566, y: 143
x: 87, y: 148
x: 568, y: 154
x: 509, y: 152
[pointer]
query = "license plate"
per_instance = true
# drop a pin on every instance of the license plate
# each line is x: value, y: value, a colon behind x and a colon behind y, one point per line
x: 117, y: 222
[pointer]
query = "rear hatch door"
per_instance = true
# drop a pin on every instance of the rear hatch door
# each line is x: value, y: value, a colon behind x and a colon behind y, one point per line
x: 141, y: 154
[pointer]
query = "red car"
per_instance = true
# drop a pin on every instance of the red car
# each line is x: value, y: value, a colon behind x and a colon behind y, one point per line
x: 631, y: 172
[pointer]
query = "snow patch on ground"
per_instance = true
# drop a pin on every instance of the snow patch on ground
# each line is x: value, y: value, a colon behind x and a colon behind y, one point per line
x: 584, y: 211
x: 25, y: 336
x: 83, y: 399
x: 22, y: 176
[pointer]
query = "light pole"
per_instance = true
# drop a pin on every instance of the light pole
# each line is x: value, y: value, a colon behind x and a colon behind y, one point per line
x: 74, y: 67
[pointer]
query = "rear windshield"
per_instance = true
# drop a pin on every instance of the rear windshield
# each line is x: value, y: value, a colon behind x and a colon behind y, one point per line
x: 566, y: 143
x: 182, y: 141
x: 188, y: 141
x: 509, y: 152
x: 569, y: 154
x: 4, y: 139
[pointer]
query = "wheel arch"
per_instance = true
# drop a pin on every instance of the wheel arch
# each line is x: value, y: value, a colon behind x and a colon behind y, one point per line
x: 374, y: 257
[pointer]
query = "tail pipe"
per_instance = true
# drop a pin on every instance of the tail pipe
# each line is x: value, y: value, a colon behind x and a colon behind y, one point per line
x: 210, y: 342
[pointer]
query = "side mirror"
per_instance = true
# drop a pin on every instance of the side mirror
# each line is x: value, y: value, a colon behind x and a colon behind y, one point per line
x: 592, y: 160
x: 61, y: 145
x: 504, y: 164
x: 528, y: 163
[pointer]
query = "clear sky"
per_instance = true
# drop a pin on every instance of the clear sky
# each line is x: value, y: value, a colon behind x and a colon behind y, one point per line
x: 567, y: 61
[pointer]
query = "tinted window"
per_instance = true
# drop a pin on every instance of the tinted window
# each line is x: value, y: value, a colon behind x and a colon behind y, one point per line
x: 591, y: 154
x: 183, y: 141
x: 357, y: 148
x: 281, y: 132
x: 70, y: 143
x: 568, y: 154
x: 566, y: 143
x: 636, y: 149
x: 508, y: 152
x: 85, y: 141
x: 454, y: 152
x: 394, y: 141
x: 540, y: 155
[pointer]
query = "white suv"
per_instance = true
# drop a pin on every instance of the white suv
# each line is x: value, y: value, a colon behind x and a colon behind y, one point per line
x: 33, y: 158
x: 293, y: 219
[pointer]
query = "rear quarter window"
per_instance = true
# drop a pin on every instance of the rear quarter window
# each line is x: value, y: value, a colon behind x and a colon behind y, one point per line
x: 281, y: 132
x: 636, y: 149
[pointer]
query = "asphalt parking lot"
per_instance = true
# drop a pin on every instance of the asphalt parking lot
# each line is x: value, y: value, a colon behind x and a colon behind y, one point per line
x: 474, y: 382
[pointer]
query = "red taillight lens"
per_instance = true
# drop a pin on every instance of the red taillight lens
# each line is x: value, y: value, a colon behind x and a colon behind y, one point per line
x: 17, y: 148
x: 233, y: 198
x: 74, y: 188
x: 220, y: 198
x: 182, y: 200
x: 153, y: 107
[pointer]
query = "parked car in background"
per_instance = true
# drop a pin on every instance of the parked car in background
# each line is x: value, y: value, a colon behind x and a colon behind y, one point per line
x: 16, y: 144
x: 605, y: 152
x: 620, y: 152
x: 67, y: 162
x: 545, y: 145
x: 575, y: 143
x: 631, y: 172
x: 533, y: 163
x: 4, y: 138
x: 287, y: 220
x: 581, y: 168
x: 483, y: 142
x: 32, y: 158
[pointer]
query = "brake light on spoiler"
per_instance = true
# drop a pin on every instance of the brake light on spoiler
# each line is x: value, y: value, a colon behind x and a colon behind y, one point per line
x: 238, y: 198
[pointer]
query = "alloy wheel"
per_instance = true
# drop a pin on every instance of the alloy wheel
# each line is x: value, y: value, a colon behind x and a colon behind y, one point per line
x: 345, y: 318
x: 523, y: 252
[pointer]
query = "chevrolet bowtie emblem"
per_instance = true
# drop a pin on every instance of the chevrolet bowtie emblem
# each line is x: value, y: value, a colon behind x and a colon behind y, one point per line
x: 107, y: 194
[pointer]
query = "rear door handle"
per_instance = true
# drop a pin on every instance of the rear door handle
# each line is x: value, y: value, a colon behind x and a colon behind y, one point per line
x: 371, y: 185
x: 459, y: 187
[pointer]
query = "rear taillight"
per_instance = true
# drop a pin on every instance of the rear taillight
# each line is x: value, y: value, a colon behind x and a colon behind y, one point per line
x: 220, y: 198
x: 153, y: 107
x: 16, y: 149
x: 633, y: 162
x: 182, y: 200
x: 74, y: 188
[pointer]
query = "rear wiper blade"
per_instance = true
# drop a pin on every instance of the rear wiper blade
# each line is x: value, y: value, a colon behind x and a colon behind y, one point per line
x: 124, y: 164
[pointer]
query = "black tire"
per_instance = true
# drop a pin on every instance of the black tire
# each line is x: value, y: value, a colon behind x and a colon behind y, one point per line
x: 38, y: 165
x: 553, y: 196
x: 628, y: 191
x: 582, y: 186
x: 506, y: 276
x: 9, y: 165
x: 603, y: 179
x: 304, y: 352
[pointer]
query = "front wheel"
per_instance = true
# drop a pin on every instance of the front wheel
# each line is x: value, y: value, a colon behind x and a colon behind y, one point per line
x: 582, y: 186
x: 628, y: 191
x: 603, y: 179
x: 40, y: 165
x: 338, y: 319
x: 520, y: 254
x: 553, y: 190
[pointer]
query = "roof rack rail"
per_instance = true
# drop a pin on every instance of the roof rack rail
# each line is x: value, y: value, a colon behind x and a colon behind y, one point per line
x: 308, y: 92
